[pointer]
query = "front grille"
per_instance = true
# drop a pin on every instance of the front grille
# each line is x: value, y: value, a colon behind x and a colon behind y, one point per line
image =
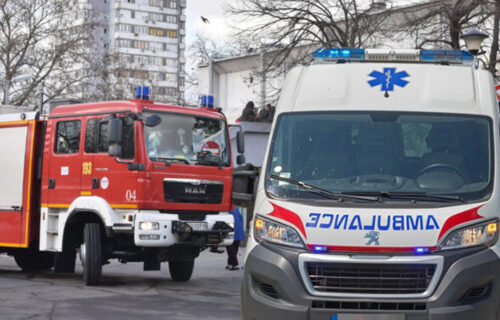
x: 355, y: 305
x: 193, y: 191
x: 370, y: 278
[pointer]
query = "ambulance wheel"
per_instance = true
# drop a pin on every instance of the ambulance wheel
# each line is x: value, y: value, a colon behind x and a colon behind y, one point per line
x: 181, y: 270
x: 91, y: 254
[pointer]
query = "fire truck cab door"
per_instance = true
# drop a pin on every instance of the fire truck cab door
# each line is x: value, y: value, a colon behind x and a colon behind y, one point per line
x: 65, y: 163
x: 110, y: 177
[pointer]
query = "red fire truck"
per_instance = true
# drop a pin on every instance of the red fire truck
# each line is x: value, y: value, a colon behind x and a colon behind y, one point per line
x: 129, y: 180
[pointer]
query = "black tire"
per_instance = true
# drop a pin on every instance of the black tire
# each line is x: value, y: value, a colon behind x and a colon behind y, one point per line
x: 65, y: 261
x: 181, y: 270
x: 31, y: 259
x: 92, y: 259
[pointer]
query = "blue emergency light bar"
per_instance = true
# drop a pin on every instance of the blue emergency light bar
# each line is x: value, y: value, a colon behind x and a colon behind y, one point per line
x: 429, y: 56
x: 446, y: 55
x: 207, y: 101
x: 337, y: 54
x: 142, y: 93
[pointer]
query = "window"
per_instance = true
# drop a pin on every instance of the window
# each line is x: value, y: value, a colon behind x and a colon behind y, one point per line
x: 381, y: 152
x: 141, y: 29
x: 90, y: 136
x: 124, y: 43
x: 127, y: 143
x: 125, y: 28
x: 170, y: 18
x: 156, y: 17
x: 103, y: 142
x: 156, y: 3
x: 171, y: 33
x: 172, y: 4
x: 141, y: 44
x: 171, y: 77
x: 156, y: 32
x: 141, y: 74
x: 68, y: 137
x: 171, y: 62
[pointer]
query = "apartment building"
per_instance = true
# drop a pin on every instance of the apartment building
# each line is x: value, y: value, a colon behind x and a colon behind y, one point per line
x: 138, y: 42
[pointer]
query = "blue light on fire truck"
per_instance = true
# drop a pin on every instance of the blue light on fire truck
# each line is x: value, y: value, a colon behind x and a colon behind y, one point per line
x: 142, y: 93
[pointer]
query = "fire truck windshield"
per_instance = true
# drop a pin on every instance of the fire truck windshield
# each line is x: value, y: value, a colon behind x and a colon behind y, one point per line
x: 188, y: 139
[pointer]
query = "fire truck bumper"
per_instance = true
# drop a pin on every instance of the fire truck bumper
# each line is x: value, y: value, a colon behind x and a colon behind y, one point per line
x: 154, y: 229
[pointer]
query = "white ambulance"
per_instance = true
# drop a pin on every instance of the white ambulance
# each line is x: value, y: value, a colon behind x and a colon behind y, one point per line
x: 378, y: 198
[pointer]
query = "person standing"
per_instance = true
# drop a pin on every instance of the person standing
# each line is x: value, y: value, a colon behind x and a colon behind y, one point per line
x: 249, y: 112
x: 239, y: 235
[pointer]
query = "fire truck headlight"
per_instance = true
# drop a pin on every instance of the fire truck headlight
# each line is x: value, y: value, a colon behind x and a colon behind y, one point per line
x: 268, y: 230
x: 148, y: 226
x: 480, y: 234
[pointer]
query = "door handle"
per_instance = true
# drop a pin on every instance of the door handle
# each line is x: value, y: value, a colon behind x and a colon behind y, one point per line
x: 95, y: 183
x: 52, y: 183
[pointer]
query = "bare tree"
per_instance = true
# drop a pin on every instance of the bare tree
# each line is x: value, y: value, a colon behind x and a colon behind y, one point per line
x: 47, y: 40
x: 286, y: 25
x: 494, y: 50
x: 204, y: 49
x: 440, y: 23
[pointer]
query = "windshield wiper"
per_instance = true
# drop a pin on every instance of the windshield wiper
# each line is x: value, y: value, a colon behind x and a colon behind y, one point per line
x: 415, y: 196
x: 325, y: 193
x: 168, y: 160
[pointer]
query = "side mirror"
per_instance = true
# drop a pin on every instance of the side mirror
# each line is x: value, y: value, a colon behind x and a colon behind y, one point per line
x: 240, y: 159
x: 240, y: 142
x: 152, y: 120
x: 115, y: 137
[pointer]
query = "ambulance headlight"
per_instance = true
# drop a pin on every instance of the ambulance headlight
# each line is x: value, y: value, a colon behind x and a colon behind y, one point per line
x: 480, y: 234
x: 268, y: 230
x: 148, y: 226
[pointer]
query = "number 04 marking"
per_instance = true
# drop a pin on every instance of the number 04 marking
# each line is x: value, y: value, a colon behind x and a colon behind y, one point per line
x: 130, y: 195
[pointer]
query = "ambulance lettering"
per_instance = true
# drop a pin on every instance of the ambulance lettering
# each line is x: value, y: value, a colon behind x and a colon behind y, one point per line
x: 376, y: 222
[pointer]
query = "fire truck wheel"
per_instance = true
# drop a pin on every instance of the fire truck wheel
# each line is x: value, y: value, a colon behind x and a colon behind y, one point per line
x: 91, y: 254
x: 31, y: 259
x: 181, y: 270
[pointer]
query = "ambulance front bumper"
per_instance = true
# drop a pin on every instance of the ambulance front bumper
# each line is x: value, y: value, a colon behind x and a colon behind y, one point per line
x: 155, y: 229
x: 274, y: 288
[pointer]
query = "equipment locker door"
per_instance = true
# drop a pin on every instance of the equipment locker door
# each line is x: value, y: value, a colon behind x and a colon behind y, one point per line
x: 13, y: 167
x: 65, y: 164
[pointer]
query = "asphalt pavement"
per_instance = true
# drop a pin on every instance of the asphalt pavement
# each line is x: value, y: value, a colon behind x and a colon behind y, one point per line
x: 127, y: 292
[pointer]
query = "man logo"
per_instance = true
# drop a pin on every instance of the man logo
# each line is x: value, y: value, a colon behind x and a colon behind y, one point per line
x: 195, y: 190
x: 373, y: 238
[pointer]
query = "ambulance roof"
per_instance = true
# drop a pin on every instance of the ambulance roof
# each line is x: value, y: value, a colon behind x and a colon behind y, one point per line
x: 389, y: 86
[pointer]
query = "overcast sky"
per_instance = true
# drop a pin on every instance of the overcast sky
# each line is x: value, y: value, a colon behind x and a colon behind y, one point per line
x: 217, y: 29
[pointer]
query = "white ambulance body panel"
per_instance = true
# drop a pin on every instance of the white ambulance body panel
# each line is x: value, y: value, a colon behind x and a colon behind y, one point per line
x: 331, y: 200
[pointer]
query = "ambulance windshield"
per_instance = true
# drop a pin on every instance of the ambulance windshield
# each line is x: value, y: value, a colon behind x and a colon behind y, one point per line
x: 367, y: 153
x: 187, y: 139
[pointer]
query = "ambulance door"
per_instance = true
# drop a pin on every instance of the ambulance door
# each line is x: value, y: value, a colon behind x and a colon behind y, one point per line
x: 117, y: 180
x: 65, y: 165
